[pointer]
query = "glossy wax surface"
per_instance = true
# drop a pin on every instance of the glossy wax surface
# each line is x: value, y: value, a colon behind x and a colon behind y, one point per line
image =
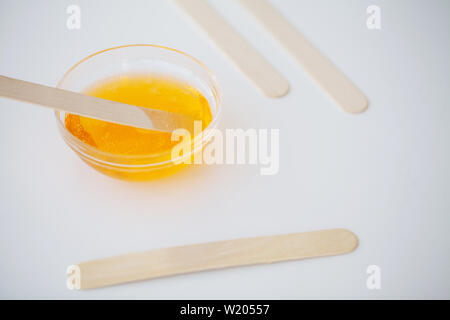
x: 153, y: 91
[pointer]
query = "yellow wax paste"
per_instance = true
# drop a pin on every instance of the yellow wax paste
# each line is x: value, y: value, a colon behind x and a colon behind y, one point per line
x: 150, y: 146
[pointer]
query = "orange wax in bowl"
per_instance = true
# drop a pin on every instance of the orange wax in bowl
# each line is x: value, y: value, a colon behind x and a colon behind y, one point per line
x: 130, y: 153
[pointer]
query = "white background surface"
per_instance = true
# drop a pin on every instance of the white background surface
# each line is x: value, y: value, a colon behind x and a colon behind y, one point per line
x: 383, y: 174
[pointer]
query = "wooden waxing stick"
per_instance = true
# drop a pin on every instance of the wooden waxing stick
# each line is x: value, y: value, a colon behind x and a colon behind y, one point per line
x: 215, y: 255
x: 92, y: 107
x: 246, y: 58
x: 332, y: 81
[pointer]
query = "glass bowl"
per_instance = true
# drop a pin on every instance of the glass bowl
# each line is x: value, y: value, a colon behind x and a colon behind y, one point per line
x: 139, y: 58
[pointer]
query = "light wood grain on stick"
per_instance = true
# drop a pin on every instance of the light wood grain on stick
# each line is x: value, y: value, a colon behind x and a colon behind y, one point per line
x: 92, y: 107
x: 322, y: 71
x: 215, y: 255
x: 245, y: 57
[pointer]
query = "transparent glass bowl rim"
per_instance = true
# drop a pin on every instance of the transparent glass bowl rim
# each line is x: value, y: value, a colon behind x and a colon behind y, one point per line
x: 77, y: 143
